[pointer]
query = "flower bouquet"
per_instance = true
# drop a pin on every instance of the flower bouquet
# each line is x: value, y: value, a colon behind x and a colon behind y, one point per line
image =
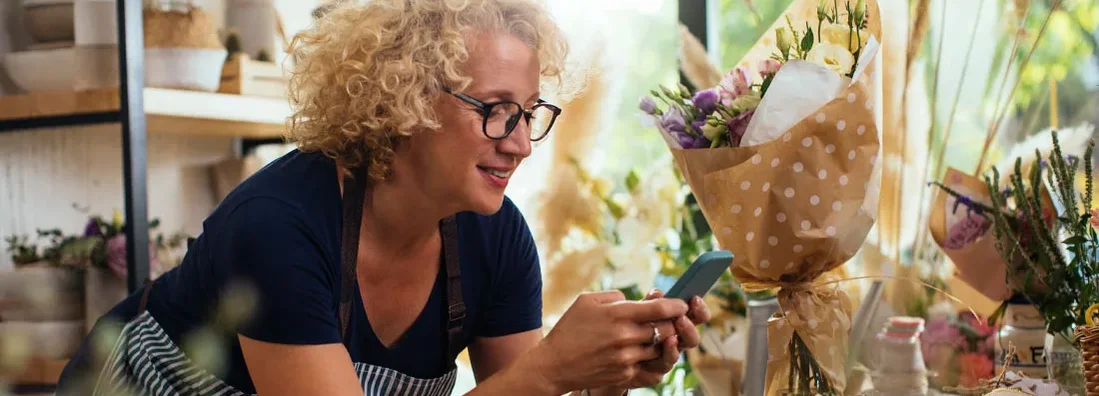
x: 783, y: 161
x: 959, y: 349
x: 960, y: 226
x: 1054, y: 253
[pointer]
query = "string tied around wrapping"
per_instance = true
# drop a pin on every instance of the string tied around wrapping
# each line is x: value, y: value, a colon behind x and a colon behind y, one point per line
x: 804, y: 327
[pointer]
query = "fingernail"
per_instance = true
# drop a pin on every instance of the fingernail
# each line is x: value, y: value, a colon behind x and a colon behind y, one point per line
x: 651, y: 293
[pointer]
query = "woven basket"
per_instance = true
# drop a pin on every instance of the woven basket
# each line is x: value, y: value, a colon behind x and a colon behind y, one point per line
x: 1088, y: 336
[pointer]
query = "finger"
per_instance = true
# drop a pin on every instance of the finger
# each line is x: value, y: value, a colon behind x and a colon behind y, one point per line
x: 666, y: 328
x: 650, y: 310
x: 654, y: 294
x: 699, y: 313
x: 631, y: 334
x: 670, y: 355
x: 603, y: 297
x: 645, y: 379
x: 687, y: 332
x: 636, y: 354
x: 668, y: 358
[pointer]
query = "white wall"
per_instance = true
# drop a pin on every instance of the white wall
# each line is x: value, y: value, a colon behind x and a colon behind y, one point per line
x: 44, y: 172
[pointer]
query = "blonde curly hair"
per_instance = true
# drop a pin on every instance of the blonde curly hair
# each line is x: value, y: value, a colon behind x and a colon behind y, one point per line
x: 366, y: 75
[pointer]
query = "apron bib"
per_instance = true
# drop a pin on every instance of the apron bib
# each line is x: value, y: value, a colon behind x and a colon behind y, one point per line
x: 145, y: 361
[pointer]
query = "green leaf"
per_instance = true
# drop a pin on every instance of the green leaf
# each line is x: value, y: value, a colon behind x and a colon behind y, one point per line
x: 999, y: 312
x: 1075, y: 240
x: 807, y: 41
x: 633, y: 181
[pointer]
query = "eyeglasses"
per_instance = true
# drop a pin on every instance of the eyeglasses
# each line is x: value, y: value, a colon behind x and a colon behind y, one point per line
x: 500, y: 118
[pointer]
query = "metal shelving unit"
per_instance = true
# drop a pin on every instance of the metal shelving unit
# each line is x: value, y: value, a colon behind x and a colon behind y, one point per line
x: 249, y: 120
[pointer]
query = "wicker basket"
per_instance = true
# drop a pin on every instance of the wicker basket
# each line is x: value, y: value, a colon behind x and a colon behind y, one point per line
x: 1088, y: 336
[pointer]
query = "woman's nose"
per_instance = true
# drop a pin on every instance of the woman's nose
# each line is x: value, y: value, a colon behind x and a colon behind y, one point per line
x: 518, y: 142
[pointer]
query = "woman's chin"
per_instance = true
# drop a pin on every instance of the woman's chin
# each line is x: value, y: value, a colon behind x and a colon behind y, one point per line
x: 486, y: 204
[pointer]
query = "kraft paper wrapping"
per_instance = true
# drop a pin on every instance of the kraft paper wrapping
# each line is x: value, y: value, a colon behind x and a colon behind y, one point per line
x: 978, y: 264
x: 793, y: 209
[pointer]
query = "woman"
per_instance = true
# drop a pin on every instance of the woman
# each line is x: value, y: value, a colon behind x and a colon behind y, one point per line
x: 386, y: 246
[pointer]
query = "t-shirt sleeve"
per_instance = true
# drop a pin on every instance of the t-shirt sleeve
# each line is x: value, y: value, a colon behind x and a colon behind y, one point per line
x: 515, y: 304
x: 270, y: 248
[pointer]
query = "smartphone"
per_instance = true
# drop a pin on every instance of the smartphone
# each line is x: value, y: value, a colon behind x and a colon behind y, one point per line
x: 701, y: 275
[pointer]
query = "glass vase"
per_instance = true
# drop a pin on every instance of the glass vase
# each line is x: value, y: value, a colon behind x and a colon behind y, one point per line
x: 1065, y: 363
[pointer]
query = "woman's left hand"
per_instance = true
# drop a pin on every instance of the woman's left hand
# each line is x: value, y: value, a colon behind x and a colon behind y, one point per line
x: 676, y: 336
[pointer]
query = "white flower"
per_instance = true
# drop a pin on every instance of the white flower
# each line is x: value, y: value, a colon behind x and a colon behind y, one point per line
x: 635, y: 259
x: 660, y: 199
x: 843, y: 36
x: 833, y: 56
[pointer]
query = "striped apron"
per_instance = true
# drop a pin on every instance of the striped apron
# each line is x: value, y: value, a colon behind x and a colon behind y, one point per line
x: 145, y: 361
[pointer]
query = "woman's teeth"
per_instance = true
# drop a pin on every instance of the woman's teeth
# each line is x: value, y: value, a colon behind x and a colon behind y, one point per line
x: 500, y: 174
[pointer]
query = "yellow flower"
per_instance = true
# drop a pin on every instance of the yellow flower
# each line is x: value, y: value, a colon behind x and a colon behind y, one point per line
x: 116, y: 218
x: 844, y: 36
x: 835, y: 57
x: 785, y: 39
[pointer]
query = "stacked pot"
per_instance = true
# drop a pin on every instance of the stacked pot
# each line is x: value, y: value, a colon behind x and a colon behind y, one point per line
x: 76, y: 47
x: 47, y: 63
x: 42, y: 310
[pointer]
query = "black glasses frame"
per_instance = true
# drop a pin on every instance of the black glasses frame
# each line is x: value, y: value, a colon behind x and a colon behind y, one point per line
x: 486, y: 109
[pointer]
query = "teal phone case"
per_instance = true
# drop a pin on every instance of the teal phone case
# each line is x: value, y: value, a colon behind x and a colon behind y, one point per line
x: 701, y: 275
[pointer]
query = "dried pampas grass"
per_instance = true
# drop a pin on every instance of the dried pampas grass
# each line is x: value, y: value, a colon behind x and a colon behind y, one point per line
x: 571, y: 274
x: 695, y: 61
x: 920, y: 25
x: 574, y: 133
x: 566, y: 205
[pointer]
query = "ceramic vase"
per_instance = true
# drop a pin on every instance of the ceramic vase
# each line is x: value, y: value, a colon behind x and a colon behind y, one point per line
x: 1025, y: 329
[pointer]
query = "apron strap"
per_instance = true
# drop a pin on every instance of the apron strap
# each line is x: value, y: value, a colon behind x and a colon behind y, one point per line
x: 456, y: 307
x: 354, y: 196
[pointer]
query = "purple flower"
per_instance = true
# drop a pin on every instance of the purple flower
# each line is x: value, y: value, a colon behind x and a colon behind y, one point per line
x: 738, y: 125
x: 92, y: 228
x: 1072, y: 159
x: 672, y: 121
x: 698, y: 124
x: 689, y: 141
x: 648, y: 105
x: 702, y: 142
x: 706, y: 100
x: 116, y: 256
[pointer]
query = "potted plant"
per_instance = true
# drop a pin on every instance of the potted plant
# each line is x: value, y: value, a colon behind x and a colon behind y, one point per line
x: 40, y: 288
x: 1059, y: 267
x: 94, y: 260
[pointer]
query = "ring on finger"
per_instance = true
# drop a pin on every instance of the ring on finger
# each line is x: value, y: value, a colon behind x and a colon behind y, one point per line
x: 656, y: 334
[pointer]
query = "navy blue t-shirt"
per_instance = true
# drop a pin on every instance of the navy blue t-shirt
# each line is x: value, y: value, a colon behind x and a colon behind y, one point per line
x: 279, y: 233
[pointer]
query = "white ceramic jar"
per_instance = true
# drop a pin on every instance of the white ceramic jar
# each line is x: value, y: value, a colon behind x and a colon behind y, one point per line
x: 1025, y: 328
x: 901, y: 371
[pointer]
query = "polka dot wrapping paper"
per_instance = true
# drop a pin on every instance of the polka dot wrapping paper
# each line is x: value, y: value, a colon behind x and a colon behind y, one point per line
x: 795, y: 207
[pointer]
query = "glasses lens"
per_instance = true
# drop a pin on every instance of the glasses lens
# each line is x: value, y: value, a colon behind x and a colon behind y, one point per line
x: 502, y: 119
x: 541, y: 121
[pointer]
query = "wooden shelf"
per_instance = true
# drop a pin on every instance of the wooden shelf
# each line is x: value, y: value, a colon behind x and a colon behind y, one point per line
x: 167, y: 110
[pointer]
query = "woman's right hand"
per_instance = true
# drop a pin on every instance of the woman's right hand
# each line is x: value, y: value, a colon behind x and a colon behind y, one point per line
x: 602, y: 339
